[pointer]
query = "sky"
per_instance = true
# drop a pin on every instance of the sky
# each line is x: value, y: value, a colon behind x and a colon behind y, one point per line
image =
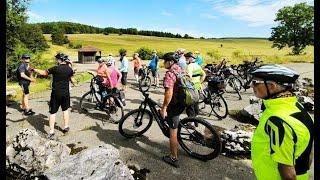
x: 206, y: 18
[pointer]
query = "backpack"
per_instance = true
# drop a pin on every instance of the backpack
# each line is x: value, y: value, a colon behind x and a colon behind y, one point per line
x: 186, y: 89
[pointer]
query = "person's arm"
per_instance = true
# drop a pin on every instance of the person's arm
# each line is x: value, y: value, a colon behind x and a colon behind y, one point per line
x: 119, y: 75
x: 41, y: 72
x: 168, y: 92
x: 109, y: 78
x: 281, y: 146
x: 24, y: 76
x: 203, y: 76
x: 287, y: 172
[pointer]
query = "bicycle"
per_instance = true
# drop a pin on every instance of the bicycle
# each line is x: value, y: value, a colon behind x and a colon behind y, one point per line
x: 190, y: 137
x: 243, y: 71
x: 144, y: 78
x: 211, y: 94
x: 109, y: 103
x: 231, y: 80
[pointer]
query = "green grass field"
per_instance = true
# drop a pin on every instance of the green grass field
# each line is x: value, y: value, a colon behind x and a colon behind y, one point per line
x: 235, y: 50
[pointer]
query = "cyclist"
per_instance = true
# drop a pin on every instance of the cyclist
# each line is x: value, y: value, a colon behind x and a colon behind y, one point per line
x: 136, y: 66
x: 281, y: 146
x: 182, y: 60
x: 115, y: 75
x: 197, y: 77
x: 60, y: 95
x: 124, y: 69
x: 111, y: 59
x: 154, y: 68
x: 198, y: 58
x: 172, y: 106
x: 24, y: 77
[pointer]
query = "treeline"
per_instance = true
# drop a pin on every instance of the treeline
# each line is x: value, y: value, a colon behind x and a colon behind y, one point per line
x: 77, y: 28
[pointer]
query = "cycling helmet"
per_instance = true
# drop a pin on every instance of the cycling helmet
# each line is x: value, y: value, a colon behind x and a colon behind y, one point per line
x: 60, y: 56
x: 171, y: 56
x: 109, y: 62
x: 25, y: 56
x: 190, y: 54
x: 276, y: 73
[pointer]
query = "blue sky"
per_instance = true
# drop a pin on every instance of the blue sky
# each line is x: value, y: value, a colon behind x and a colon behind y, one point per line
x: 207, y: 18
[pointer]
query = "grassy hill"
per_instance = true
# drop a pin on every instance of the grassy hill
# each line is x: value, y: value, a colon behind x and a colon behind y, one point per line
x: 234, y: 50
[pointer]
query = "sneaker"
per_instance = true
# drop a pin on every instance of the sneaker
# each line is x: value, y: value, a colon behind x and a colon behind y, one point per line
x: 29, y: 113
x: 173, y: 162
x: 65, y: 130
x: 50, y: 136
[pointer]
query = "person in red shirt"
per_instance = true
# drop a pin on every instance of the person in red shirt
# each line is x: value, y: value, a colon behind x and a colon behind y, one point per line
x: 136, y: 65
x: 173, y: 105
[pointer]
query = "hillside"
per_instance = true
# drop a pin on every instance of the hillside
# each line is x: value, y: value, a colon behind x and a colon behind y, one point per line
x: 235, y: 50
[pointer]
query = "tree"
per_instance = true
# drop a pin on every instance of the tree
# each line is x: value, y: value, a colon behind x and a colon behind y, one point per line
x: 33, y: 38
x: 58, y: 37
x: 295, y: 29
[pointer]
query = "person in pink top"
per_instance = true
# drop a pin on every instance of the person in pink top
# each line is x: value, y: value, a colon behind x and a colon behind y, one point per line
x: 115, y: 75
x: 136, y: 65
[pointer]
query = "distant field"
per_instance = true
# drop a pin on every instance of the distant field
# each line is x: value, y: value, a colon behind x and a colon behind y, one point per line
x: 234, y: 50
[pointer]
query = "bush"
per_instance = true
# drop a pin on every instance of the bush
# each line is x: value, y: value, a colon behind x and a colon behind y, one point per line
x: 75, y: 46
x: 160, y: 54
x: 122, y: 51
x: 144, y: 53
x: 214, y: 54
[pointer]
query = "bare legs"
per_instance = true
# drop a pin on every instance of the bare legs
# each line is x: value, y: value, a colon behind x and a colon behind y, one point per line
x: 52, y: 119
x: 173, y: 143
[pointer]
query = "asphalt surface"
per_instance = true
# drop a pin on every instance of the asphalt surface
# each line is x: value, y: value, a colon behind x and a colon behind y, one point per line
x: 91, y: 129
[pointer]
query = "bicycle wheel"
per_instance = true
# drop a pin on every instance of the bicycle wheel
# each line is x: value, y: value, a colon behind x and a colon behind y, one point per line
x: 219, y: 106
x: 135, y: 123
x: 199, y: 139
x: 88, y: 101
x: 113, y: 110
x: 145, y: 83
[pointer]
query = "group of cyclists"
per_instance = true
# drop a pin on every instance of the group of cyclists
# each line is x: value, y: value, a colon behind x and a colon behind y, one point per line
x: 282, y: 143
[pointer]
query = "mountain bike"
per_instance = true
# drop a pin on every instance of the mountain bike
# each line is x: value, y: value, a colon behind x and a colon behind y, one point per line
x: 196, y: 136
x: 144, y: 78
x: 244, y: 69
x: 210, y: 96
x: 231, y: 80
x: 107, y: 101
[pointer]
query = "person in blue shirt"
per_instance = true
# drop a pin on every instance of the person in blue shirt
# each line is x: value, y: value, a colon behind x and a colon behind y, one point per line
x: 182, y: 60
x: 154, y: 68
x: 198, y: 58
x: 124, y: 69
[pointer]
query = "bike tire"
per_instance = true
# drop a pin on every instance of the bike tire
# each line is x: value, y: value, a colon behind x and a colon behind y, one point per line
x: 145, y: 83
x: 113, y: 109
x: 216, y: 104
x: 88, y: 100
x: 141, y: 113
x: 189, y: 138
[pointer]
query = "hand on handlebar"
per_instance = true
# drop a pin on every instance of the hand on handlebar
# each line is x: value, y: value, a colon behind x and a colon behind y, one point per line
x: 163, y: 113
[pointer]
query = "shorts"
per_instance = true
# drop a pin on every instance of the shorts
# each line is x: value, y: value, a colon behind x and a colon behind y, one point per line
x: 124, y: 78
x: 136, y: 71
x: 173, y: 115
x: 57, y: 100
x: 154, y: 73
x: 25, y: 87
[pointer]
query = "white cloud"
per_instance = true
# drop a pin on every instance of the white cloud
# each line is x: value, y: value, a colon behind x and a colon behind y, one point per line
x: 166, y: 13
x: 33, y: 17
x: 208, y: 16
x: 255, y: 12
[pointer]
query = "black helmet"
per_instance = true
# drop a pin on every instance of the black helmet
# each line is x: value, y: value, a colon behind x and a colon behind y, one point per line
x: 25, y: 56
x: 60, y: 56
x: 171, y: 56
x: 275, y: 72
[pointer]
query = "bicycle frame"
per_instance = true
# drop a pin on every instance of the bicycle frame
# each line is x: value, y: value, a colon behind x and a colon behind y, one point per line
x: 152, y: 106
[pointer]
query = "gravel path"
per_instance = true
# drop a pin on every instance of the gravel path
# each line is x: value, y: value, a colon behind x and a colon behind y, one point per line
x: 91, y: 130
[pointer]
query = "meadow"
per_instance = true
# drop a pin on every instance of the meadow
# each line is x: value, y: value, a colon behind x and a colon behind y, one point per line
x: 235, y: 50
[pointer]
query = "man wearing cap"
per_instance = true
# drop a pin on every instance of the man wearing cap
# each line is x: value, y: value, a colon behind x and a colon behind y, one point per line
x: 182, y: 60
x: 24, y: 77
x: 198, y: 58
x: 60, y: 94
x: 197, y: 76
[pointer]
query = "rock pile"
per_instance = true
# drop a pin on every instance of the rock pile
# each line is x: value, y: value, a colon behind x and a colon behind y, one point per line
x: 237, y: 141
x: 32, y: 155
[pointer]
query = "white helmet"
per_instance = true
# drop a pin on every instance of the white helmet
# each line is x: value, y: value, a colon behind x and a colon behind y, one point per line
x: 109, y: 61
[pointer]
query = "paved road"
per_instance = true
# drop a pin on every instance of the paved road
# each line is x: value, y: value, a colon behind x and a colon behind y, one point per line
x: 88, y: 130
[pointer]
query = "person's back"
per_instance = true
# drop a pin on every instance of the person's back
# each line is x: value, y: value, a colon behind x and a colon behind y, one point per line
x: 60, y: 77
x: 113, y: 76
x: 195, y: 72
